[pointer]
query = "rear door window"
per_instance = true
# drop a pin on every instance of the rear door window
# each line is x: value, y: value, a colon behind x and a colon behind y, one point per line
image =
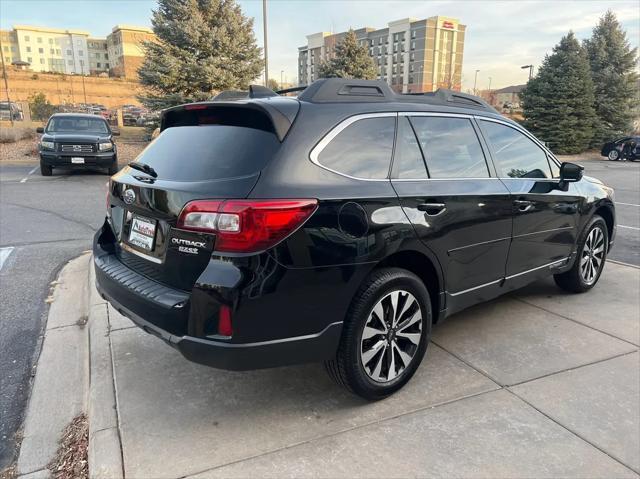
x: 451, y: 147
x: 209, y: 152
x: 407, y: 160
x: 515, y: 154
x: 362, y: 150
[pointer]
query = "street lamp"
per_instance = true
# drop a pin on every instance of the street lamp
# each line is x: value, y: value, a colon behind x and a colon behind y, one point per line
x: 475, y: 81
x: 530, y: 67
x: 489, y: 85
x: 281, y: 79
x: 266, y: 58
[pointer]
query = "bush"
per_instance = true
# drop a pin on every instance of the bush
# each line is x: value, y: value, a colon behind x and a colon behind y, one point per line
x: 17, y: 133
x: 41, y: 108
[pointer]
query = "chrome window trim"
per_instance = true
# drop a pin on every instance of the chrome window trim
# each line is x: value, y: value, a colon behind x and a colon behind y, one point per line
x: 517, y: 127
x: 322, y: 144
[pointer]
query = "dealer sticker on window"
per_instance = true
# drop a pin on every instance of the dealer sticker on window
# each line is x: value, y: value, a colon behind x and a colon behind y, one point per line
x: 142, y: 233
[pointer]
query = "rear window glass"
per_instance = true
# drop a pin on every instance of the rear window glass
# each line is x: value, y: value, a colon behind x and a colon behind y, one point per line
x: 208, y: 152
x: 362, y: 150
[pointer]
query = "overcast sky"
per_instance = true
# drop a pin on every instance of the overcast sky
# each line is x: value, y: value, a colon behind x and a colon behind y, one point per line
x: 501, y: 35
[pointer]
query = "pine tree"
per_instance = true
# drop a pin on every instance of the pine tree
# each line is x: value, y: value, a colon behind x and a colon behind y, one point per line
x: 202, y: 47
x: 558, y: 101
x: 614, y: 78
x: 350, y: 60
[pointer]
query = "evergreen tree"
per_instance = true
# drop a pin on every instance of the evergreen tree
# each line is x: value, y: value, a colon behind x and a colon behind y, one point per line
x: 558, y: 101
x: 614, y: 78
x: 202, y: 47
x: 350, y: 60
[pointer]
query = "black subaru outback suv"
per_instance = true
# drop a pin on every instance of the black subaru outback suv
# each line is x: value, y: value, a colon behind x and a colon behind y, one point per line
x: 338, y: 226
x: 77, y: 141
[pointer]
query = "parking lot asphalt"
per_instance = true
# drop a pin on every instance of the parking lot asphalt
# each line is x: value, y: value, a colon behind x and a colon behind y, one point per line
x: 46, y: 221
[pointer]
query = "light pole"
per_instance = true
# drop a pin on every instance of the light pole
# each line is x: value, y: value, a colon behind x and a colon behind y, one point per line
x: 475, y: 81
x: 266, y: 57
x: 281, y: 79
x: 530, y: 67
x: 489, y: 85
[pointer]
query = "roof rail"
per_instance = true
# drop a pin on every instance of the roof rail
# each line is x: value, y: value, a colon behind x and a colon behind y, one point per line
x: 452, y: 96
x: 346, y: 90
x: 291, y: 90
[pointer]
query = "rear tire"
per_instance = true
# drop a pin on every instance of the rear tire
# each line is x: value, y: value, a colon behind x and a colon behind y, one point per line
x: 385, y: 334
x: 613, y: 155
x: 45, y: 170
x: 589, y: 263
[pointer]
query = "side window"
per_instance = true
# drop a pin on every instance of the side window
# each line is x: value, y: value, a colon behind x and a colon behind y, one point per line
x: 516, y: 156
x: 363, y: 149
x: 407, y: 159
x: 451, y: 147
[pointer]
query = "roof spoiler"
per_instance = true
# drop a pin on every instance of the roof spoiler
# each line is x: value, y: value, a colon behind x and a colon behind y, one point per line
x: 255, y: 91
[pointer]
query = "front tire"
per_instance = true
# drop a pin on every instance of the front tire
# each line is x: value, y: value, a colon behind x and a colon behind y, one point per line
x: 45, y: 170
x: 613, y: 155
x: 385, y: 334
x: 589, y: 263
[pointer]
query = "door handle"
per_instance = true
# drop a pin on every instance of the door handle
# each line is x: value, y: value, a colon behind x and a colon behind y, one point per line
x: 524, y: 205
x: 433, y: 209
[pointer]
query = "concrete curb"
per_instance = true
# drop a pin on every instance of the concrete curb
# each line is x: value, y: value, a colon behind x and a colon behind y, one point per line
x: 61, y: 384
x: 105, y: 449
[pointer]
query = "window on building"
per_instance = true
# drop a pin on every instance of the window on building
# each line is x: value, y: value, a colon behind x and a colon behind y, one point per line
x: 413, y: 34
x: 50, y: 41
x: 52, y: 51
x: 69, y: 62
x: 515, y: 155
x: 412, y: 56
x: 413, y: 45
x: 29, y: 59
x: 410, y: 78
x: 26, y: 38
x: 363, y: 149
x: 106, y: 65
x: 57, y: 51
x: 39, y: 39
x: 411, y: 67
x: 41, y: 50
x: 98, y: 65
x: 380, y: 41
x: 451, y: 147
x: 407, y: 159
x: 69, y: 52
x: 28, y: 49
x: 81, y: 53
x: 42, y: 61
x: 106, y: 56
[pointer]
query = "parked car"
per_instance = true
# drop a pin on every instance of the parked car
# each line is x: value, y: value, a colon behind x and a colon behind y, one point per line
x: 338, y: 226
x: 76, y: 140
x: 10, y: 111
x: 625, y: 148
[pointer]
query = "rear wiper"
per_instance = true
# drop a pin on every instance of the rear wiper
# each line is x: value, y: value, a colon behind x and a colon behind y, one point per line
x: 136, y: 165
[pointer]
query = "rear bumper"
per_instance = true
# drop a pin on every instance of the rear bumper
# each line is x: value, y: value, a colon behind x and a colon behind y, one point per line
x: 166, y: 312
x: 99, y: 160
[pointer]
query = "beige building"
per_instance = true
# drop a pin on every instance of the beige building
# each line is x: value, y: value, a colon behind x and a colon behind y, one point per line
x: 411, y: 55
x: 125, y: 47
x: 75, y: 51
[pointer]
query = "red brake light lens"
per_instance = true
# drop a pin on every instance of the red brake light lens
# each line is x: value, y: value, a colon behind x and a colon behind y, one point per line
x: 246, y: 226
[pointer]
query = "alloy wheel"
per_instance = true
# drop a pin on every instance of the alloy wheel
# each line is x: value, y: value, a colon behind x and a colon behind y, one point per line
x: 391, y: 336
x: 613, y: 155
x: 592, y: 257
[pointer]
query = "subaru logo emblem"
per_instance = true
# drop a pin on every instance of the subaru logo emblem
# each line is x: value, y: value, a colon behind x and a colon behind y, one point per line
x: 129, y: 196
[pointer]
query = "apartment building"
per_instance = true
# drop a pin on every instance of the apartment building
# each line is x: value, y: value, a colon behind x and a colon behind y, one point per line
x: 413, y: 56
x: 125, y: 46
x: 76, y: 51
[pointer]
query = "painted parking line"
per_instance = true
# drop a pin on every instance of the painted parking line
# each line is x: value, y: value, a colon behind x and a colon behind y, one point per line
x: 24, y: 180
x: 626, y: 204
x: 4, y: 254
x: 629, y: 227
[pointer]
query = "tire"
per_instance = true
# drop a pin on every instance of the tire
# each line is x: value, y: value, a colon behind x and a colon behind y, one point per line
x: 45, y: 170
x: 113, y: 169
x: 586, y: 270
x: 613, y: 155
x: 359, y: 360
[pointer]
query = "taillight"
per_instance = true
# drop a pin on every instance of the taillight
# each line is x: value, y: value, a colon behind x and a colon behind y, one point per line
x: 246, y: 226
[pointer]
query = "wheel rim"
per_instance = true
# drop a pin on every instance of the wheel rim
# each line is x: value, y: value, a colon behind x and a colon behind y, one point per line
x: 592, y: 257
x: 613, y: 155
x: 391, y: 336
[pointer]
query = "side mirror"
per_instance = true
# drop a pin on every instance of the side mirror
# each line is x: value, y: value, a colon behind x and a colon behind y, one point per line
x: 40, y: 129
x: 570, y: 172
x: 115, y: 132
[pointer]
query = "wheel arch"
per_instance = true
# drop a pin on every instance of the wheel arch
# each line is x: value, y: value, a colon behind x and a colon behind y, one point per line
x: 425, y: 269
x: 607, y: 213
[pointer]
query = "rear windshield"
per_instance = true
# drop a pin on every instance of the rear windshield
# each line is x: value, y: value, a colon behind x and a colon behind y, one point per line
x: 207, y: 152
x: 74, y: 125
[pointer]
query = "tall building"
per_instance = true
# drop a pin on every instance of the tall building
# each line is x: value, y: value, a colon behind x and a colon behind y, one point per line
x: 125, y: 49
x: 411, y: 55
x: 75, y: 51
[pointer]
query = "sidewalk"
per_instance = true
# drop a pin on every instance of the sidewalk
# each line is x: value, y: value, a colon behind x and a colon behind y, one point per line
x: 536, y: 384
